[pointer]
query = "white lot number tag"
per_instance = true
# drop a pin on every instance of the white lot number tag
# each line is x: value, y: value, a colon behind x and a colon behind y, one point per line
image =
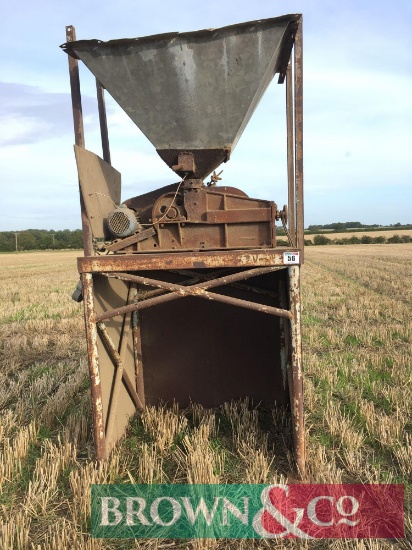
x: 291, y: 257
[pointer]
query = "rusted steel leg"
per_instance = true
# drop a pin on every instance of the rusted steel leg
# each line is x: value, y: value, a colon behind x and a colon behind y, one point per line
x: 79, y: 135
x: 297, y: 371
x: 103, y: 122
x: 300, y: 232
x: 290, y: 154
x: 95, y: 385
x: 137, y: 350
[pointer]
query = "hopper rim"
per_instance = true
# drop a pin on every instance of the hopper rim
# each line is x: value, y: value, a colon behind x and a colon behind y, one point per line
x: 67, y: 47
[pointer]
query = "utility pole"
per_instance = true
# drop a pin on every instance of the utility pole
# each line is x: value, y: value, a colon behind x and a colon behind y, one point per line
x: 53, y: 234
x: 16, y: 243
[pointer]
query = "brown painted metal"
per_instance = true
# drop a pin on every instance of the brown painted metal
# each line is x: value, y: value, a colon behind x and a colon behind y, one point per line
x: 79, y: 135
x: 297, y: 369
x: 137, y: 237
x: 138, y: 357
x: 94, y: 371
x: 149, y: 302
x: 290, y: 155
x: 298, y: 68
x: 75, y: 91
x: 103, y: 122
x: 195, y: 278
x: 284, y: 340
x: 100, y: 186
x: 207, y: 218
x: 117, y: 359
x: 184, y: 260
x: 199, y: 348
x: 115, y: 341
x: 180, y: 291
x: 206, y: 352
x: 243, y: 216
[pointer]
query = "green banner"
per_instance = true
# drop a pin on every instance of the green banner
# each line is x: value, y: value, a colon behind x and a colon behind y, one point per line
x: 174, y: 511
x: 301, y: 511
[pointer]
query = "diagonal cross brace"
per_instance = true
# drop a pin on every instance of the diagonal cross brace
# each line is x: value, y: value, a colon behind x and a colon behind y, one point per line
x: 117, y: 361
x: 198, y: 290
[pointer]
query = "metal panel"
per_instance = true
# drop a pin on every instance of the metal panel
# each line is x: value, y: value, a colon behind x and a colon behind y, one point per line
x: 112, y: 293
x: 209, y: 354
x: 100, y: 184
x: 191, y: 91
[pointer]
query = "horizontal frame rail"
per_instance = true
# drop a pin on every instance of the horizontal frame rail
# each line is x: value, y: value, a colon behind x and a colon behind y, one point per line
x: 184, y: 260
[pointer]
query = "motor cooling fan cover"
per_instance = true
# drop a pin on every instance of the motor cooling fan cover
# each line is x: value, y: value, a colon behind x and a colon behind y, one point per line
x: 122, y: 222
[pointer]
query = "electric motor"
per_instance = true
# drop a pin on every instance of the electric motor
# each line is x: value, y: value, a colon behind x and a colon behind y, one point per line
x: 122, y: 222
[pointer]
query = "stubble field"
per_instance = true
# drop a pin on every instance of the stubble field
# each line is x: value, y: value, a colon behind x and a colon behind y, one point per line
x: 358, y: 403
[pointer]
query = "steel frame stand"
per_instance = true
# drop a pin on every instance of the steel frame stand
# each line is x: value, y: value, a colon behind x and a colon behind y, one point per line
x: 114, y: 344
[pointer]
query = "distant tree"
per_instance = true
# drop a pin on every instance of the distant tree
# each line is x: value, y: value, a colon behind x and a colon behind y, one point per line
x: 26, y: 240
x: 7, y: 241
x: 379, y: 240
x: 40, y: 239
x: 366, y: 239
x: 77, y: 239
x: 321, y: 239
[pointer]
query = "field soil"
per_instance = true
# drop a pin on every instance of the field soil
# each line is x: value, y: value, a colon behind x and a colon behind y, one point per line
x: 357, y: 330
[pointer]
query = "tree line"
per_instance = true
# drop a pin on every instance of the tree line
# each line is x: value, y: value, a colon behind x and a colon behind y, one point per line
x: 49, y: 239
x: 40, y: 239
x: 353, y: 239
x: 365, y: 239
x: 351, y: 226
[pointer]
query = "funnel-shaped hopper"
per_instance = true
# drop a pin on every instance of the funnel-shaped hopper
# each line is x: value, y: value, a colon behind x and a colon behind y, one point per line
x: 192, y: 92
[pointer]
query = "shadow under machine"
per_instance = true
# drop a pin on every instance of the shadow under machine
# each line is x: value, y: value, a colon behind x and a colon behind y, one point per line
x: 187, y: 296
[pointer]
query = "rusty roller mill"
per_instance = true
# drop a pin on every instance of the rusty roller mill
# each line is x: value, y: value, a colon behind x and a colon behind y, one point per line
x: 187, y: 296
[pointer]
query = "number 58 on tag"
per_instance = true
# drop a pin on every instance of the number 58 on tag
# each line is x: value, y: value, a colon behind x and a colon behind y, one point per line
x: 291, y: 258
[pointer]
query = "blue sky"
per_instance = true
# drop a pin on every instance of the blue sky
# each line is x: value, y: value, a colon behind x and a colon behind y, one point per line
x: 357, y: 108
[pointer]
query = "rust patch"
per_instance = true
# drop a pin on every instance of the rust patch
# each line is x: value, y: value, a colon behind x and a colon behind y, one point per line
x: 183, y: 260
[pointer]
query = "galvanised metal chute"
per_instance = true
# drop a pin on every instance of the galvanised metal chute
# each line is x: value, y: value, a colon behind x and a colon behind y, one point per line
x: 192, y: 91
x: 188, y: 295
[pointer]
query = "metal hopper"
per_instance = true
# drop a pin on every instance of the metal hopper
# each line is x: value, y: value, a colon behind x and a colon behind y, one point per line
x: 195, y: 91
